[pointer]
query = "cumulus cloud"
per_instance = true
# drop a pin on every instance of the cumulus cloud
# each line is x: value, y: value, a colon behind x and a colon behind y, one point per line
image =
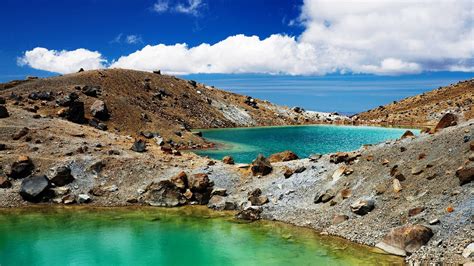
x: 388, y: 37
x: 190, y: 7
x: 62, y: 61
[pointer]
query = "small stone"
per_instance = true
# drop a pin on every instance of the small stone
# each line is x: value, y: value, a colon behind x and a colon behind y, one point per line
x: 434, y: 221
x: 228, y: 160
x: 363, y: 206
x: 415, y: 211
x: 416, y: 170
x: 139, y: 146
x: 83, y: 198
x: 397, y: 187
x: 407, y: 134
x: 339, y: 219
x: 4, y: 182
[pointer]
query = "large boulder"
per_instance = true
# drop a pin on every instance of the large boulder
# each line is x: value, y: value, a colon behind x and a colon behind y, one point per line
x: 465, y: 175
x: 22, y: 168
x: 283, y: 156
x: 362, y: 206
x: 251, y: 213
x: 405, y: 240
x: 3, y: 112
x: 261, y: 166
x: 75, y: 113
x: 199, y: 182
x: 164, y: 194
x: 35, y: 188
x: 99, y: 110
x: 62, y: 176
x: 447, y: 120
x: 180, y: 181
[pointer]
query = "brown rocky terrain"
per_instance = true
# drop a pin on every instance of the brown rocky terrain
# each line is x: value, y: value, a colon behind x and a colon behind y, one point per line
x: 425, y: 109
x: 411, y: 197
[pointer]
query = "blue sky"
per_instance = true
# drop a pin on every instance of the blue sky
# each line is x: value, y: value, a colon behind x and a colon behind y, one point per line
x: 330, y: 55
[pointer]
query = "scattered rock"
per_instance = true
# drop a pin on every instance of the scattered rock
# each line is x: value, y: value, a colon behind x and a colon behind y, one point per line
x: 75, y: 112
x: 99, y: 110
x: 35, y: 188
x: 346, y: 193
x: 256, y: 198
x: 3, y: 112
x: 405, y: 240
x: 416, y: 170
x: 220, y: 203
x: 468, y: 251
x: 83, y: 198
x: 180, y: 181
x: 447, y: 120
x: 283, y: 157
x: 363, y: 206
x: 4, y: 182
x: 288, y: 172
x: 251, y: 213
x: 324, y: 197
x: 407, y: 134
x: 465, y: 175
x: 347, y: 157
x: 22, y: 168
x: 261, y: 166
x: 434, y: 221
x: 219, y: 191
x: 300, y: 169
x: 92, y: 91
x: 164, y: 194
x: 62, y: 176
x: 397, y: 187
x: 415, y: 211
x: 23, y: 132
x: 339, y: 219
x: 228, y: 160
x: 139, y: 146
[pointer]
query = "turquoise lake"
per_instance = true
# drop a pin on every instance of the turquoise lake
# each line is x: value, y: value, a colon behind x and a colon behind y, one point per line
x: 244, y: 144
x: 154, y: 236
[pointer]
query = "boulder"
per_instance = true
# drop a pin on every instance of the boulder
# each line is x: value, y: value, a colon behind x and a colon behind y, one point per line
x: 465, y: 175
x: 283, y: 156
x: 35, y: 189
x: 4, y: 182
x: 67, y: 100
x: 83, y: 198
x: 92, y: 91
x: 199, y: 182
x: 325, y: 196
x: 447, y: 120
x: 346, y: 157
x: 228, y: 160
x: 164, y: 194
x: 407, y: 134
x: 22, y: 168
x: 62, y: 176
x: 99, y: 110
x: 180, y: 181
x: 75, y: 112
x: 139, y: 146
x: 363, y: 206
x: 339, y: 219
x: 261, y: 166
x: 3, y: 112
x: 250, y: 213
x: 405, y: 240
x: 288, y: 172
x: 300, y: 169
x: 256, y: 199
x: 220, y: 203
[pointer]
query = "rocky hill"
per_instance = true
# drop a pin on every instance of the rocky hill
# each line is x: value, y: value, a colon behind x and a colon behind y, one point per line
x: 129, y: 102
x: 425, y: 109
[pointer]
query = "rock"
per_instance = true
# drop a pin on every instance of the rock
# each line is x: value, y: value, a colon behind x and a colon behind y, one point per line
x: 339, y: 219
x: 405, y: 240
x: 199, y: 182
x: 324, y: 197
x: 416, y: 170
x: 2, y: 100
x: 380, y: 189
x: 164, y: 194
x: 288, y: 173
x: 23, y: 132
x: 83, y: 198
x: 220, y: 203
x: 3, y: 112
x: 180, y: 181
x: 188, y: 194
x: 415, y: 211
x: 4, y: 182
x: 3, y: 147
x: 300, y: 169
x: 363, y: 206
x: 471, y: 145
x: 99, y: 110
x: 67, y: 100
x: 139, y: 146
x: 314, y: 157
x: 346, y: 157
x: 261, y: 166
x: 75, y: 112
x: 219, y: 191
x: 465, y: 175
x: 468, y: 251
x: 338, y: 173
x: 68, y: 199
x: 425, y: 130
x: 61, y: 191
x: 434, y: 221
x: 92, y: 91
x: 346, y: 193
x: 385, y: 162
x: 250, y: 213
x: 397, y: 187
x: 22, y: 168
x: 228, y: 160
x: 470, y: 158
x: 283, y: 157
x: 407, y: 134
x: 35, y: 188
x: 447, y: 120
x: 62, y: 176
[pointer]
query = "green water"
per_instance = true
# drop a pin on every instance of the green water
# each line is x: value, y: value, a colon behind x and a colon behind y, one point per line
x: 155, y: 236
x: 244, y: 144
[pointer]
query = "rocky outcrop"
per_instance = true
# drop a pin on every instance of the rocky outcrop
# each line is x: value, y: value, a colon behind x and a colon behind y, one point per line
x: 35, y: 189
x: 283, y: 156
x: 405, y: 240
x: 261, y: 166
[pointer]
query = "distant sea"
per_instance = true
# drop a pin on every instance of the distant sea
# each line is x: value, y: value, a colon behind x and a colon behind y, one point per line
x: 346, y: 94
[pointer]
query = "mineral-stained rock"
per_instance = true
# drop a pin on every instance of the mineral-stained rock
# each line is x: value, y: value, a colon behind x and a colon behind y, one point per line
x: 406, y: 239
x: 199, y: 182
x: 283, y: 157
x: 346, y: 193
x: 99, y: 110
x: 3, y: 112
x: 261, y: 166
x: 339, y: 219
x: 447, y: 120
x: 35, y: 188
x: 139, y: 146
x: 4, y: 182
x: 363, y: 206
x: 288, y: 172
x: 180, y: 180
x: 22, y: 168
x: 251, y: 213
x: 62, y: 176
x: 164, y: 194
x: 228, y: 160
x: 465, y: 175
x: 256, y: 199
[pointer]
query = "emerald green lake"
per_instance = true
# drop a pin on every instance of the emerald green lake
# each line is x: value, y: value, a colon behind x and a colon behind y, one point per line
x: 244, y: 144
x: 155, y: 236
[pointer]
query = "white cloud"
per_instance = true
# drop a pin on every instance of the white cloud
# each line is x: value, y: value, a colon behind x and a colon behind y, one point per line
x: 363, y: 36
x: 190, y: 7
x: 62, y: 61
x: 133, y: 39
